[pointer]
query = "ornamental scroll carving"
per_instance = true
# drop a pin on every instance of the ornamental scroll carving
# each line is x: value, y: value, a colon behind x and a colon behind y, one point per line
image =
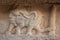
x: 25, y: 22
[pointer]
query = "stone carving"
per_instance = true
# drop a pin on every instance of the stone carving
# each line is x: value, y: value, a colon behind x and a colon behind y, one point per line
x: 25, y: 22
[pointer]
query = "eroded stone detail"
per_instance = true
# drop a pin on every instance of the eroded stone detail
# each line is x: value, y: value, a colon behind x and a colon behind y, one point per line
x: 26, y: 22
x: 3, y: 26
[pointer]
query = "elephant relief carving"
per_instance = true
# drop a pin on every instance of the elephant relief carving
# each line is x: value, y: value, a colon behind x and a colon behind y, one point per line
x: 24, y: 22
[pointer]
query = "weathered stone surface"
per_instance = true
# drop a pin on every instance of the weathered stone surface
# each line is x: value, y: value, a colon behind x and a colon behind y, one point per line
x: 3, y: 26
x: 54, y: 1
x: 20, y: 22
x: 29, y: 20
x: 37, y: 20
x: 57, y: 23
x: 3, y: 22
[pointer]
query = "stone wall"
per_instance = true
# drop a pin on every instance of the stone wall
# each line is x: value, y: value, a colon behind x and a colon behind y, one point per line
x: 24, y: 22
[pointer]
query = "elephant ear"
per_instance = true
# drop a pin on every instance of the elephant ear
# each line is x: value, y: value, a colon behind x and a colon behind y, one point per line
x: 25, y: 14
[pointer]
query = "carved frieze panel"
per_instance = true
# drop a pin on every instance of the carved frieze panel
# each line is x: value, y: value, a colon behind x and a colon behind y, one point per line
x: 27, y: 22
